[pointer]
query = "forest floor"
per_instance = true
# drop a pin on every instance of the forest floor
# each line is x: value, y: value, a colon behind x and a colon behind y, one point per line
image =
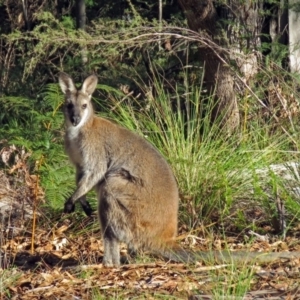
x: 61, y: 257
x: 66, y: 264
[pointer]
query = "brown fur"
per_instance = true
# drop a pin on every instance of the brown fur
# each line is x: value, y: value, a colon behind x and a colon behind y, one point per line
x: 136, y: 189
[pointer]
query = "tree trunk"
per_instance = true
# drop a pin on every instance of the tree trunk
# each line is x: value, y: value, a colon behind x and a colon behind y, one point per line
x: 294, y: 37
x: 202, y: 16
x: 80, y: 14
x: 81, y: 22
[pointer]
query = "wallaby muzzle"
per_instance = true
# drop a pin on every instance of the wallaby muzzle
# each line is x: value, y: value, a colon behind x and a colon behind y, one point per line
x: 75, y: 120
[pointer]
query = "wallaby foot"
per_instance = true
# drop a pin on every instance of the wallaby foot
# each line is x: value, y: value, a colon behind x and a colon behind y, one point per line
x: 131, y: 250
x: 130, y: 256
x: 125, y: 260
x: 86, y: 206
x: 69, y: 206
x: 111, y: 256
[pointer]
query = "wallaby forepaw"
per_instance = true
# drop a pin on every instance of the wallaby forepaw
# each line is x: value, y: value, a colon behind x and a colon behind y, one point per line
x: 87, y: 208
x: 69, y: 207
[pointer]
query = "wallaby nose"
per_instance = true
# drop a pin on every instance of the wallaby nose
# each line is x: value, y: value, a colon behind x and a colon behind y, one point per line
x: 75, y: 120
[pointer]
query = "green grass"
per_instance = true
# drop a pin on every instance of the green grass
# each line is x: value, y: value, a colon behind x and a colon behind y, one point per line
x: 215, y: 173
x: 232, y: 281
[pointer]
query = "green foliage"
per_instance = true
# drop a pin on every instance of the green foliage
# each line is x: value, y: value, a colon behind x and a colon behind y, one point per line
x: 68, y: 22
x: 36, y: 125
x: 219, y: 178
x: 54, y: 44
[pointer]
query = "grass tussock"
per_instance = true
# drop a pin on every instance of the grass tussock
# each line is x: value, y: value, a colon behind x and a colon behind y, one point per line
x: 219, y: 177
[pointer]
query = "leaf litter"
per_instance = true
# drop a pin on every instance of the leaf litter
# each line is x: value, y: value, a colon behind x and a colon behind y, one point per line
x: 58, y: 263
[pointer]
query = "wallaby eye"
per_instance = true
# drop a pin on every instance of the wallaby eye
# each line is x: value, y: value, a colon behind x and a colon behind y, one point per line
x: 84, y: 106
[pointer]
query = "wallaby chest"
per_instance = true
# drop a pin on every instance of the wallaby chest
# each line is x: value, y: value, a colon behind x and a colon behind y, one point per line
x: 74, y: 147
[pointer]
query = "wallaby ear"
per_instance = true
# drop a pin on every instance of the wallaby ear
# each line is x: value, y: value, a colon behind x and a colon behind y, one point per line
x: 66, y: 83
x: 89, y: 85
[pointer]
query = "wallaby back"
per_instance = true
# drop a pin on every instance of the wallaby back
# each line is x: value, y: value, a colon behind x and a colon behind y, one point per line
x: 137, y: 191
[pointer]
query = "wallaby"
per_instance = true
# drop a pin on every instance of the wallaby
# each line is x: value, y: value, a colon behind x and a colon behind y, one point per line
x: 136, y: 188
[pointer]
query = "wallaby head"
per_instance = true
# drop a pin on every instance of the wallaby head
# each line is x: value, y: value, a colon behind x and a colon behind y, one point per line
x: 78, y: 107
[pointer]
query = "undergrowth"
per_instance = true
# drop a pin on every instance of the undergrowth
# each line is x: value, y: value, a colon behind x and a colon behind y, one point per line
x: 218, y: 176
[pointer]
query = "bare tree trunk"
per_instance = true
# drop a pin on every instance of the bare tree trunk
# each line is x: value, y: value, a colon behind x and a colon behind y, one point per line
x: 81, y: 22
x: 25, y: 14
x: 160, y: 12
x: 294, y: 37
x: 202, y: 16
x: 80, y: 14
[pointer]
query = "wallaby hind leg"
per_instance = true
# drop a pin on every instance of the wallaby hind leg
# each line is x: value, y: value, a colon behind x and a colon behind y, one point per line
x: 111, y: 248
x: 112, y: 231
x: 114, y: 221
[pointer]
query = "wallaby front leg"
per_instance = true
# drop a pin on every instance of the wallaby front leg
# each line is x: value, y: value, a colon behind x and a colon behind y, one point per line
x: 84, y: 203
x: 85, y: 184
x: 86, y: 206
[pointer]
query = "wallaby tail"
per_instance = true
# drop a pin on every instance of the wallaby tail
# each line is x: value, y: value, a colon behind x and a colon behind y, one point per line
x: 175, y: 253
x: 179, y: 254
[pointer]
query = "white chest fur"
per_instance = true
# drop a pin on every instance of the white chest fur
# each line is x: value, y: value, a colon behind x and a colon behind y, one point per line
x: 73, y: 133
